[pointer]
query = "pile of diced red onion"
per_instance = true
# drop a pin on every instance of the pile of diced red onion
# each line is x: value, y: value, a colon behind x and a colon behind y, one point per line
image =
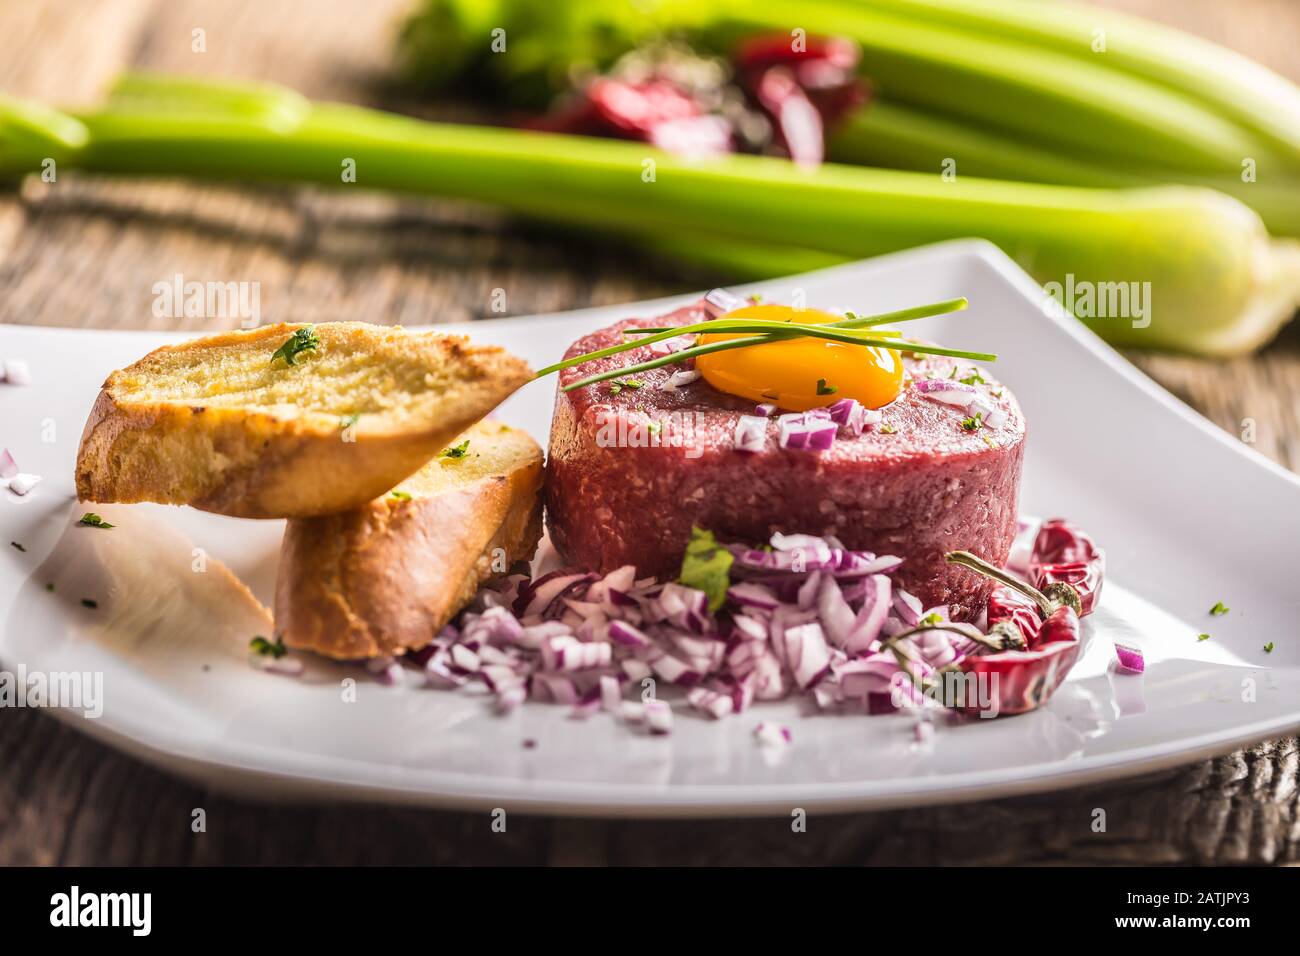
x: 804, y: 618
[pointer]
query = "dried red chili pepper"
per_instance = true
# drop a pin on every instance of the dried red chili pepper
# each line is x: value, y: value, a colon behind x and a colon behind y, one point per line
x: 1064, y: 554
x: 1023, y: 680
x: 1010, y: 607
x: 1026, y: 679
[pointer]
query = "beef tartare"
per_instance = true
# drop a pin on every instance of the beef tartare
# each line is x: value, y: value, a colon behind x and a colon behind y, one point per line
x: 635, y: 464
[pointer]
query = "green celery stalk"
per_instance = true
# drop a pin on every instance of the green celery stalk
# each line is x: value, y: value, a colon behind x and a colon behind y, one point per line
x: 1218, y: 284
x: 888, y: 134
x: 1239, y: 88
x: 1040, y: 93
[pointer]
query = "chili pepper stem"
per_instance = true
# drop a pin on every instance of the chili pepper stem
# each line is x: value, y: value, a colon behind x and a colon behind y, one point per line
x: 980, y: 566
x: 1060, y: 594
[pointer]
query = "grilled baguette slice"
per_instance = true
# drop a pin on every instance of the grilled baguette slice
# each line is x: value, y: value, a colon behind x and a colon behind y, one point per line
x: 385, y: 578
x: 219, y: 424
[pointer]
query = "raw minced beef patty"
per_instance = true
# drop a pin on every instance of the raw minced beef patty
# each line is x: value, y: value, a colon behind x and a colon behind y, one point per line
x: 631, y: 470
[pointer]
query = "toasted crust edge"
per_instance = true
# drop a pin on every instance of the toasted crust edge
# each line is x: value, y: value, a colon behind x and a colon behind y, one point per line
x: 244, y: 464
x: 384, y: 579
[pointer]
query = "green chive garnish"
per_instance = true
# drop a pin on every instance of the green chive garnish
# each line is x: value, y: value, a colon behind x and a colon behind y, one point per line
x: 1219, y: 608
x: 92, y: 520
x: 304, y: 339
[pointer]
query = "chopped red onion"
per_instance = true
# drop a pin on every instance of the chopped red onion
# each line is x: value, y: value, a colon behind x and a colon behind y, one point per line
x: 946, y: 390
x: 669, y: 346
x: 908, y: 607
x: 658, y: 716
x: 995, y: 418
x: 749, y: 594
x: 610, y: 694
x: 288, y: 665
x: 623, y: 633
x: 632, y: 711
x: 764, y: 409
x: 1130, y: 658
x: 724, y: 301
x: 711, y: 702
x: 16, y: 372
x: 464, y: 658
x: 806, y: 654
x: 679, y: 379
x: 8, y: 467
x: 537, y: 597
x: 23, y: 482
x: 806, y: 432
x: 870, y: 618
x: 751, y: 433
x: 511, y: 697
x: 773, y: 735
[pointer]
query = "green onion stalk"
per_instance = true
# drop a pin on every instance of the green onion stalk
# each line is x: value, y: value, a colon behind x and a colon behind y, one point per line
x: 1219, y: 285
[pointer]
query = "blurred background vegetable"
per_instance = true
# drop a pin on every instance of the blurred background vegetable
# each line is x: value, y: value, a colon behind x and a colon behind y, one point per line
x: 1023, y: 90
x: 1218, y: 282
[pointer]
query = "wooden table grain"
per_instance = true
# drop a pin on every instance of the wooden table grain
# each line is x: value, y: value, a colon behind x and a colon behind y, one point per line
x: 86, y: 252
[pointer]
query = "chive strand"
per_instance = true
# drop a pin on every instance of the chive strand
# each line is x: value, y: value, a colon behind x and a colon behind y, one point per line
x: 728, y: 344
x: 723, y: 325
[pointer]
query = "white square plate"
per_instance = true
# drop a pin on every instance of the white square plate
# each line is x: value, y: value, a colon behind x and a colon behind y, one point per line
x: 1188, y: 516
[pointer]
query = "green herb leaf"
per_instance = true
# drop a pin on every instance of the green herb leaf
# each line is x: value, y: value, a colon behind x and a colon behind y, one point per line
x: 399, y: 495
x: 264, y: 648
x: 888, y: 429
x: 973, y: 422
x: 706, y: 565
x: 1219, y: 609
x: 304, y: 339
x: 824, y: 389
x: 930, y: 620
x: 1268, y: 648
x: 974, y: 378
x: 1202, y: 637
x: 92, y: 520
x: 456, y: 451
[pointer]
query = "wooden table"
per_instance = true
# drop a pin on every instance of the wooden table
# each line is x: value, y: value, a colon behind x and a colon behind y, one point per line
x: 86, y: 252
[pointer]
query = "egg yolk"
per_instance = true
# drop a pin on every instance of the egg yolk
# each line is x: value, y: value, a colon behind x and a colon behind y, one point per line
x: 799, y: 374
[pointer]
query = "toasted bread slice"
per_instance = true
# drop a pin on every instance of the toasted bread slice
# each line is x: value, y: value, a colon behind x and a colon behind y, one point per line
x: 221, y: 424
x: 385, y: 578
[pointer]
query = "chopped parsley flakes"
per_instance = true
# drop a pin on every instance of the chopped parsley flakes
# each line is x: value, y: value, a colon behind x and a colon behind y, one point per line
x: 456, y: 451
x: 1202, y: 637
x: 1268, y: 648
x: 706, y: 565
x: 824, y: 389
x: 92, y: 520
x: 888, y: 429
x: 264, y: 648
x: 930, y: 620
x: 1219, y: 609
x: 399, y: 495
x: 973, y: 422
x: 304, y: 339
